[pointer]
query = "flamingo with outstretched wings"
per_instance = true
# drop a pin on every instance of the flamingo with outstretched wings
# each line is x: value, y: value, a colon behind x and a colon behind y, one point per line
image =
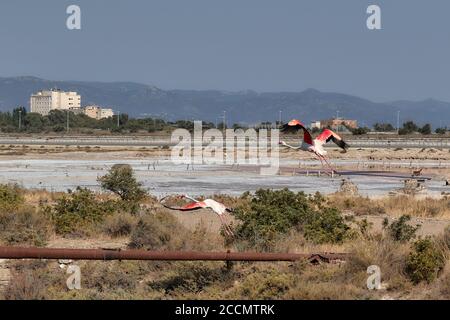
x: 217, y: 207
x: 314, y: 145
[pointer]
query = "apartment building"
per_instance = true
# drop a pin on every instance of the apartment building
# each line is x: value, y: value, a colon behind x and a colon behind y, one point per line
x: 43, y: 102
x: 97, y: 112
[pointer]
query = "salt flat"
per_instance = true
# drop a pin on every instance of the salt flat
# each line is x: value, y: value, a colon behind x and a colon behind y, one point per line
x: 161, y: 177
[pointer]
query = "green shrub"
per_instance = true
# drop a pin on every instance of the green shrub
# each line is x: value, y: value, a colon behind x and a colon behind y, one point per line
x: 10, y: 197
x: 400, y: 230
x: 425, y: 261
x: 270, y: 214
x: 325, y: 226
x: 78, y: 212
x: 121, y: 181
x: 24, y: 226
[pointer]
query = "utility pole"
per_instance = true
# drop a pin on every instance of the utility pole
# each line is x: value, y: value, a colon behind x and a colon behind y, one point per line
x: 398, y: 121
x: 337, y: 117
x: 224, y: 121
x: 279, y: 118
x: 20, y: 118
x: 118, y: 119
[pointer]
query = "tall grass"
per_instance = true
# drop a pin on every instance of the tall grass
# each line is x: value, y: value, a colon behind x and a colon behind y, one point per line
x: 394, y: 206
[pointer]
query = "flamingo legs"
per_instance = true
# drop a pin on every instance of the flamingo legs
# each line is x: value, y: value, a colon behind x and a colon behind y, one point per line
x: 324, y: 159
x: 227, y: 228
x: 329, y: 165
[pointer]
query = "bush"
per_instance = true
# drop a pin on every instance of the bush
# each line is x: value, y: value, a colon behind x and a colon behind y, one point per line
x: 425, y: 261
x: 78, y: 212
x: 326, y: 226
x: 10, y: 197
x: 447, y: 237
x: 121, y: 181
x: 119, y: 225
x: 400, y: 230
x: 426, y: 129
x: 115, y: 277
x: 265, y: 286
x: 191, y: 277
x: 31, y: 281
x: 154, y: 231
x: 24, y: 226
x: 359, y: 131
x: 270, y: 214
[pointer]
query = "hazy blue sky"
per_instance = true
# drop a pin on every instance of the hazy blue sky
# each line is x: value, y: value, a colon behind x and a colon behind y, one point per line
x: 263, y: 45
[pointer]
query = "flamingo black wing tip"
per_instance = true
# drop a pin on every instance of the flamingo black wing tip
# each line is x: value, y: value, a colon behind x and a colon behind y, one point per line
x: 285, y: 128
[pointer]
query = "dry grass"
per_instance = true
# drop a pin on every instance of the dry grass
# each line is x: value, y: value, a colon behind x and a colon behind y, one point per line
x: 162, y: 229
x: 216, y: 280
x: 393, y: 206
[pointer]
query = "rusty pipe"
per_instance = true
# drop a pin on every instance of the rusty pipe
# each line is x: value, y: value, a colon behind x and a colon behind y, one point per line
x: 117, y: 254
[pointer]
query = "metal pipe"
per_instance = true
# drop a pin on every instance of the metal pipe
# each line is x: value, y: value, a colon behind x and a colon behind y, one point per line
x: 117, y: 254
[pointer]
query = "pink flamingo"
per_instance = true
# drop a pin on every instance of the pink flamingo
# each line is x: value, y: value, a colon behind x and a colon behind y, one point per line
x: 217, y: 207
x: 314, y: 145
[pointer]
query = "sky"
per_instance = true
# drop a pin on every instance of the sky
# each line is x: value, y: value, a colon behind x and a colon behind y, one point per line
x: 235, y: 45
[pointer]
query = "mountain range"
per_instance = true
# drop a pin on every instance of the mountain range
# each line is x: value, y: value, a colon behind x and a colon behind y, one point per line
x: 250, y: 107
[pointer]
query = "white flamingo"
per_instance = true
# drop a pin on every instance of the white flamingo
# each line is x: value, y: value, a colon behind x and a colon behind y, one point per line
x: 217, y: 207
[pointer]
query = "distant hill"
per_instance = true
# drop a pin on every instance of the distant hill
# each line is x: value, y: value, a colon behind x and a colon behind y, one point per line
x: 244, y: 107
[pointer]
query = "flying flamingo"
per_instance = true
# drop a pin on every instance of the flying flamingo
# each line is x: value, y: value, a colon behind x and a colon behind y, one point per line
x: 217, y: 207
x: 314, y: 145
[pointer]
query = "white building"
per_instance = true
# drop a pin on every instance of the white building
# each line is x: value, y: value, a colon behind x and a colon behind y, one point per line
x: 106, y: 113
x: 45, y: 101
x: 316, y: 124
x: 97, y: 112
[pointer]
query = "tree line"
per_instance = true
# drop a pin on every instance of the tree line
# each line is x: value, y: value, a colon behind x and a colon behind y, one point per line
x: 408, y: 127
x: 19, y: 120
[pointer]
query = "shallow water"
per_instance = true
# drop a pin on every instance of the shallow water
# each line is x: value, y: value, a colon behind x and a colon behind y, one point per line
x: 162, y: 177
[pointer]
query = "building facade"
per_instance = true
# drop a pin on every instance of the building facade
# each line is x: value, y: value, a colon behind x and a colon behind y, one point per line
x: 97, y: 112
x: 106, y: 113
x: 45, y: 101
x: 339, y: 124
x: 315, y: 125
x: 92, y: 111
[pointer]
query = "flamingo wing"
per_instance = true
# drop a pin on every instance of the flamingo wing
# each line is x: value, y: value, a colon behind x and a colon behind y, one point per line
x: 192, y: 206
x: 188, y: 207
x: 327, y: 135
x: 217, y: 207
x: 294, y: 126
